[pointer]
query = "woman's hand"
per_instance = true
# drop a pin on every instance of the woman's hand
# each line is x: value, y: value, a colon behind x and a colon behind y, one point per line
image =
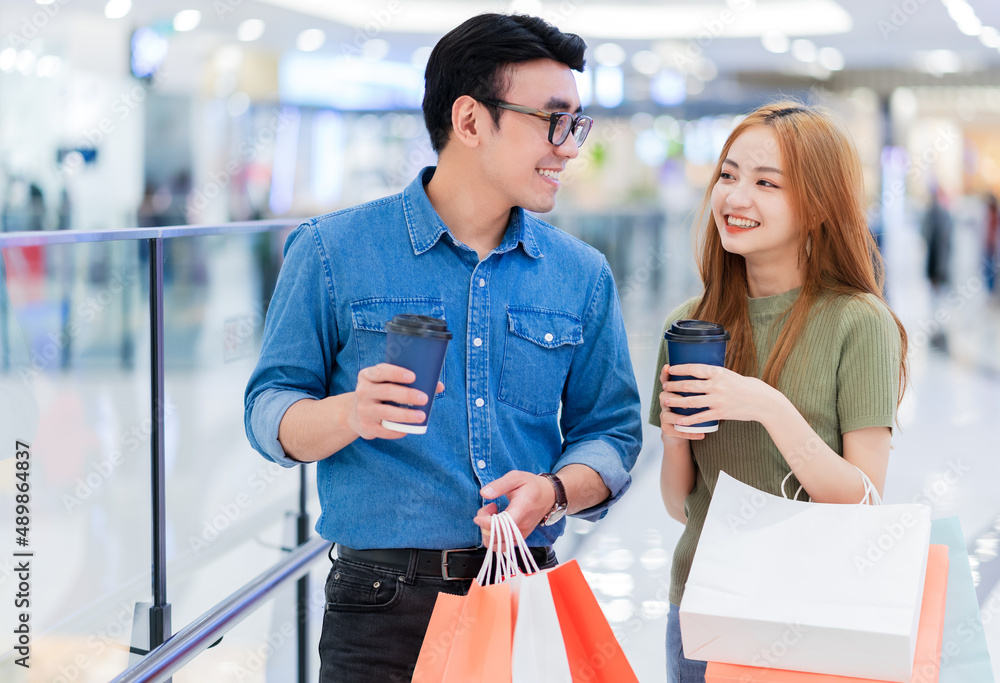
x: 669, y: 419
x: 727, y: 395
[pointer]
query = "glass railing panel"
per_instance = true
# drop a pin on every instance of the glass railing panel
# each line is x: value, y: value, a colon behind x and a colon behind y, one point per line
x: 74, y: 387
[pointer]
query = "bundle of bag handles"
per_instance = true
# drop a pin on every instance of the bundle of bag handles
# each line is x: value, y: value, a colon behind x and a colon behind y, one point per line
x: 871, y: 496
x: 506, y: 542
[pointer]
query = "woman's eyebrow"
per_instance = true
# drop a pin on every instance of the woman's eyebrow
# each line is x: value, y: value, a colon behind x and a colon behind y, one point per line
x: 759, y: 169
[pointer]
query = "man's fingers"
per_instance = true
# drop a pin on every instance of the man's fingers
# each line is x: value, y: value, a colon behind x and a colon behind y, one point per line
x: 384, y: 372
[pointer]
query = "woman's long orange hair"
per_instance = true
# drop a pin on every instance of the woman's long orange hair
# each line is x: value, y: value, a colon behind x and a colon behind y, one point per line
x: 823, y: 180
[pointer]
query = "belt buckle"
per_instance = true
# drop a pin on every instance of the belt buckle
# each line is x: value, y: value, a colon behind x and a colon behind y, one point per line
x: 444, y: 563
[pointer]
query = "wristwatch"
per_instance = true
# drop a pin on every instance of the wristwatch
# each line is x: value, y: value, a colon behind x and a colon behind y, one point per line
x: 558, y: 510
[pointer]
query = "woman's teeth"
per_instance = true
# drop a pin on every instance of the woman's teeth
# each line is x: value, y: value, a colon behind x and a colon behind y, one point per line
x: 742, y: 222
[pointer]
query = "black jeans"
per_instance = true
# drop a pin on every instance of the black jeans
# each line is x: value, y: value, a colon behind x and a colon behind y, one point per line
x: 375, y: 621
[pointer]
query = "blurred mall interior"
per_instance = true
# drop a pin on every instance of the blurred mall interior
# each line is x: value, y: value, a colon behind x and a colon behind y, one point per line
x: 117, y: 114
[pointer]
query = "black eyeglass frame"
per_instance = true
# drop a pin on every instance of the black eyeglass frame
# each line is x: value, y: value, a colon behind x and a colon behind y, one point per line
x: 553, y: 119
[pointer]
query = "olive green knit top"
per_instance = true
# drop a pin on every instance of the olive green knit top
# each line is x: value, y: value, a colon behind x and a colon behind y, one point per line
x: 842, y: 375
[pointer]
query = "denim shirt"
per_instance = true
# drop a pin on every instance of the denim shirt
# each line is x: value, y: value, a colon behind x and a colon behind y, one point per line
x: 537, y: 375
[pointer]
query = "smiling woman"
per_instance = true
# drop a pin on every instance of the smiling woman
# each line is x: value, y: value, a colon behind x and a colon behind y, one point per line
x: 815, y: 367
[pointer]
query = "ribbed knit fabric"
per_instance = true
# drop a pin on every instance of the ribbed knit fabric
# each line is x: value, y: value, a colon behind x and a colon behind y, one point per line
x: 842, y: 375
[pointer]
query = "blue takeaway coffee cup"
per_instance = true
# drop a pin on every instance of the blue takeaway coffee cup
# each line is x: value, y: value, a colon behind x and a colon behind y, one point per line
x: 417, y: 343
x: 695, y: 341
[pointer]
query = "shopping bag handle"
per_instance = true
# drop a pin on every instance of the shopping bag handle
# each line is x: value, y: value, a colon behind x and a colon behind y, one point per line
x: 506, y: 541
x: 871, y: 496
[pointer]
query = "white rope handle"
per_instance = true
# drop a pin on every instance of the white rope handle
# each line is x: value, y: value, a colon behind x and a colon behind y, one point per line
x: 505, y: 543
x: 871, y: 496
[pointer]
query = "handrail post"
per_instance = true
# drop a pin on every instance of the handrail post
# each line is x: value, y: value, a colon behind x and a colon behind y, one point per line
x: 159, y: 613
x: 302, y: 586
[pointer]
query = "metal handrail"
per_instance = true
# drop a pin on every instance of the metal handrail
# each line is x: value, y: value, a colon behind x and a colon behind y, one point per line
x: 49, y: 237
x: 193, y: 639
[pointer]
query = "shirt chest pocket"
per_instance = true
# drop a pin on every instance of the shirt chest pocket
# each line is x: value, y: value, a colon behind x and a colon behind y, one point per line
x: 369, y: 317
x: 537, y: 354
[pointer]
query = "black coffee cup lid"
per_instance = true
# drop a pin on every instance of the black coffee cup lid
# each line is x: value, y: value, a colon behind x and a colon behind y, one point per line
x: 696, y: 331
x: 418, y: 326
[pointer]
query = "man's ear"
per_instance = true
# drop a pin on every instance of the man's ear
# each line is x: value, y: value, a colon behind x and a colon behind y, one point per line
x: 467, y: 121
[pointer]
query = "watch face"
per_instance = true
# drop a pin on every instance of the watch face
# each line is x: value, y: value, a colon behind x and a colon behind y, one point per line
x: 554, y: 516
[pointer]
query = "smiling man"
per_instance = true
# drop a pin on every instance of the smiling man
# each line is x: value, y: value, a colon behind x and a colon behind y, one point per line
x: 537, y: 412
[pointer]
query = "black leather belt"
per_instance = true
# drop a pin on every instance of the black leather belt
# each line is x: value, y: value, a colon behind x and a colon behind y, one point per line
x: 463, y: 563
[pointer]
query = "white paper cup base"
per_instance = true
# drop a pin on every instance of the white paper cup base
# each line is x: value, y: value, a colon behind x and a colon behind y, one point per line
x: 405, y: 428
x: 693, y: 430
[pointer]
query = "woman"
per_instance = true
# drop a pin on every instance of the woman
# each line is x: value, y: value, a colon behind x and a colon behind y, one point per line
x: 815, y: 367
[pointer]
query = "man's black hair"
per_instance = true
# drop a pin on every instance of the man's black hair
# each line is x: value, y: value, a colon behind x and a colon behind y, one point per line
x: 473, y: 58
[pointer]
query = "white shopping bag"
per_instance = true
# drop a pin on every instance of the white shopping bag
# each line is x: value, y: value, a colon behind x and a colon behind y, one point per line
x: 538, y: 652
x: 816, y: 587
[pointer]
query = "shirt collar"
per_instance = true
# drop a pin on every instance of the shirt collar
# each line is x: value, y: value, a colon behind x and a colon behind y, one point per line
x: 426, y: 227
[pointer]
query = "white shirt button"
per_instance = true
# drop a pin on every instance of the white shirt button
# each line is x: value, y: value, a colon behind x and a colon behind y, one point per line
x: 481, y: 464
x: 482, y: 282
x: 480, y: 403
x: 548, y: 337
x: 477, y: 342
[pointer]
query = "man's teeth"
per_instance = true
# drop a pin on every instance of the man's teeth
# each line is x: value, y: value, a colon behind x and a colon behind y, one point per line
x: 548, y: 174
x: 742, y: 222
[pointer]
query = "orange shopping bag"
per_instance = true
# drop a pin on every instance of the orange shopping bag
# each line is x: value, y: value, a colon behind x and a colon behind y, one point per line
x: 926, y: 663
x: 592, y: 648
x: 469, y: 638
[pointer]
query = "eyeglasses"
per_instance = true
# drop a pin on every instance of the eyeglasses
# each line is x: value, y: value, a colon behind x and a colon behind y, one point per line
x: 561, y: 123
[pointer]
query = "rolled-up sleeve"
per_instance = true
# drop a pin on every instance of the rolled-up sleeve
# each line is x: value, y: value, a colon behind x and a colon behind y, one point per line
x: 299, y: 344
x: 601, y: 419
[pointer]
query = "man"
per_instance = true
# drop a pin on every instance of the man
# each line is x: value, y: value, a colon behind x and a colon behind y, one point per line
x: 537, y: 327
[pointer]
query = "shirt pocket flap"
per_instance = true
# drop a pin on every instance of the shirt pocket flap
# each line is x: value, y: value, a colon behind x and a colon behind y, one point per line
x: 373, y: 314
x: 548, y: 329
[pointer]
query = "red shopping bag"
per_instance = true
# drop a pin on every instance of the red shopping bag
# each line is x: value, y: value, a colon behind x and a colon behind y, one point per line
x: 591, y: 647
x: 926, y: 663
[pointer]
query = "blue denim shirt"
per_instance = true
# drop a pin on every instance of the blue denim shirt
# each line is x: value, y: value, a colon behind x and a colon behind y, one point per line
x: 537, y: 327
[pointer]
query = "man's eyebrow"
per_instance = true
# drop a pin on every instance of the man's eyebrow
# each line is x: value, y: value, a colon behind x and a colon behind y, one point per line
x: 759, y: 169
x: 556, y: 104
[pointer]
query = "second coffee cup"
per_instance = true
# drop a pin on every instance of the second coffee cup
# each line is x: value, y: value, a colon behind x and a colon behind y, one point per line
x: 695, y: 341
x: 417, y: 343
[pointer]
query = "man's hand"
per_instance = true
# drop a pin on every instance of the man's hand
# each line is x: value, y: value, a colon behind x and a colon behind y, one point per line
x: 531, y: 496
x: 379, y: 383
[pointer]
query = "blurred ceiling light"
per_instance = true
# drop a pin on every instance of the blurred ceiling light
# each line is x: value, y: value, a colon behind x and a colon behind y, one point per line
x: 420, y: 56
x: 646, y: 62
x: 531, y: 7
x: 25, y: 61
x: 831, y: 58
x: 48, y: 66
x: 609, y: 86
x: 228, y: 58
x: 971, y: 27
x: 630, y: 20
x: 961, y: 11
x: 804, y: 50
x: 250, y: 30
x: 695, y: 86
x: 8, y: 58
x: 610, y: 54
x: 775, y: 41
x: 238, y: 104
x: 939, y: 62
x: 668, y: 88
x: 44, y: 2
x: 187, y: 20
x: 310, y: 40
x: 375, y: 49
x: 989, y: 36
x: 116, y: 9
